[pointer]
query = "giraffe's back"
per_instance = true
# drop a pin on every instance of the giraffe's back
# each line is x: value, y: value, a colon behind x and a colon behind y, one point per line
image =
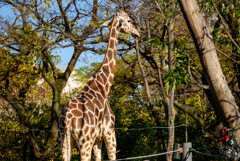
x: 83, y: 116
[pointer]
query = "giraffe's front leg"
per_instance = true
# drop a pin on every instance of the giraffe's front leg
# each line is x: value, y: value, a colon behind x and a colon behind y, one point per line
x: 97, y: 150
x: 110, y: 142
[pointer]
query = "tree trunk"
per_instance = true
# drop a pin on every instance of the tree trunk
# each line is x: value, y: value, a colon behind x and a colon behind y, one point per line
x: 171, y: 119
x: 171, y: 114
x: 55, y: 114
x: 33, y: 145
x: 219, y: 89
x: 54, y: 122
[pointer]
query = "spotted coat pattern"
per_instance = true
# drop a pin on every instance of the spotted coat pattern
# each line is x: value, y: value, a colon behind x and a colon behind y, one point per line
x: 88, y: 118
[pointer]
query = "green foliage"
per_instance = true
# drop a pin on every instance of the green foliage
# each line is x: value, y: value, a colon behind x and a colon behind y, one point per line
x: 156, y: 42
x: 179, y: 75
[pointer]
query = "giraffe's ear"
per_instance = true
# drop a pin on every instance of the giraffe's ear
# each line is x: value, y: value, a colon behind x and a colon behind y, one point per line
x: 107, y: 23
x: 120, y: 23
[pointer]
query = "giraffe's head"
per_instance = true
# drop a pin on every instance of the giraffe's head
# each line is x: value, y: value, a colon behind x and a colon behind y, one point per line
x: 124, y: 24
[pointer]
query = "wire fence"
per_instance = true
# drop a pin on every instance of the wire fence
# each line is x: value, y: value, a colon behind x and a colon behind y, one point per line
x: 147, y: 156
x: 206, y: 154
x: 145, y: 128
x: 131, y: 129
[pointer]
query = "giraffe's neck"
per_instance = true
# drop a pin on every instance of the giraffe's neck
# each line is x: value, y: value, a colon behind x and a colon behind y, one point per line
x: 112, y: 46
x: 109, y: 62
x: 102, y: 79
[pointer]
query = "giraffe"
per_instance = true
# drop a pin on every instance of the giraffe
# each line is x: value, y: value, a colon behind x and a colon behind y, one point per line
x: 88, y: 118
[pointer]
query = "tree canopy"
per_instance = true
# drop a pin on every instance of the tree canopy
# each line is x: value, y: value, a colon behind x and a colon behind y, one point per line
x: 157, y: 77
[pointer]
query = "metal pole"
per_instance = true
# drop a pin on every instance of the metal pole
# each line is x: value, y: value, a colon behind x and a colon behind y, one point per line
x: 186, y: 134
x: 187, y: 154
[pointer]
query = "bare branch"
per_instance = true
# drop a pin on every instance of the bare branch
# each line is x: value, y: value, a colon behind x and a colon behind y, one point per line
x: 143, y: 73
x: 65, y: 17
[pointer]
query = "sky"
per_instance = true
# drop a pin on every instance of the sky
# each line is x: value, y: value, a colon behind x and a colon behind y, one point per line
x: 85, y: 59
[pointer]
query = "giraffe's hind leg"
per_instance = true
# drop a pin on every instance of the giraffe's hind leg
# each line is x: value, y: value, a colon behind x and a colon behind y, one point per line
x: 66, y: 145
x: 97, y: 150
x: 110, y: 142
x: 86, y: 150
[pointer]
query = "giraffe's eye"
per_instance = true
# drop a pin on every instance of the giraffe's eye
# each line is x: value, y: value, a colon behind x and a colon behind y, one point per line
x: 129, y: 20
